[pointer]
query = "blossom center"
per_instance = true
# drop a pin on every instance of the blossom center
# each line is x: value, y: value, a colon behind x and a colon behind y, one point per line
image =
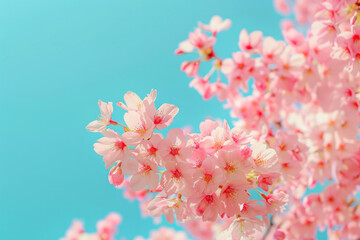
x: 177, y: 174
x: 207, y: 177
x: 153, y: 150
x: 157, y: 120
x: 120, y: 145
x: 174, y: 151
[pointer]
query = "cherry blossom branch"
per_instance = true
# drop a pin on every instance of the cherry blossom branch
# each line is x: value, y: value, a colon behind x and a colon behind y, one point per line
x: 268, y: 230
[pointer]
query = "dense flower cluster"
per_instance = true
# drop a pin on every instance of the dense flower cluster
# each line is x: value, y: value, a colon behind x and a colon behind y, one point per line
x: 165, y: 233
x: 107, y: 229
x: 304, y: 104
x: 296, y: 108
x: 209, y: 175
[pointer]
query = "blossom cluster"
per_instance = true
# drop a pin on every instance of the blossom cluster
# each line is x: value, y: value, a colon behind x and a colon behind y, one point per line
x: 295, y: 104
x: 107, y: 229
x: 304, y: 10
x: 304, y: 105
x: 209, y: 175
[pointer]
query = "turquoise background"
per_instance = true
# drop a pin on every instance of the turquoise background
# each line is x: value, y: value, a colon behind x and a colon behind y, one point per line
x: 57, y: 58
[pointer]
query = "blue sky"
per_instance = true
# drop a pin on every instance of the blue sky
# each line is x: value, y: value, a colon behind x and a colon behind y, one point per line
x: 57, y: 58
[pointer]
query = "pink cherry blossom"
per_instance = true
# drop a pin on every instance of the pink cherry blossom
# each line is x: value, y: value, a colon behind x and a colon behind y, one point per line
x: 264, y: 159
x: 219, y: 139
x: 272, y: 49
x: 233, y: 194
x: 185, y: 47
x: 116, y: 175
x: 174, y: 147
x: 238, y: 69
x: 145, y: 176
x: 235, y: 164
x: 162, y: 205
x: 282, y: 6
x: 250, y: 42
x: 201, y: 40
x: 203, y: 86
x: 177, y: 178
x: 191, y: 68
x: 140, y: 127
x: 75, y: 231
x: 134, y: 102
x: 207, y: 206
x: 167, y: 234
x: 112, y: 147
x: 200, y: 229
x: 106, y: 229
x: 216, y: 25
x: 164, y: 116
x: 277, y: 201
x: 243, y: 228
x: 208, y: 178
x: 106, y: 110
x: 149, y: 149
